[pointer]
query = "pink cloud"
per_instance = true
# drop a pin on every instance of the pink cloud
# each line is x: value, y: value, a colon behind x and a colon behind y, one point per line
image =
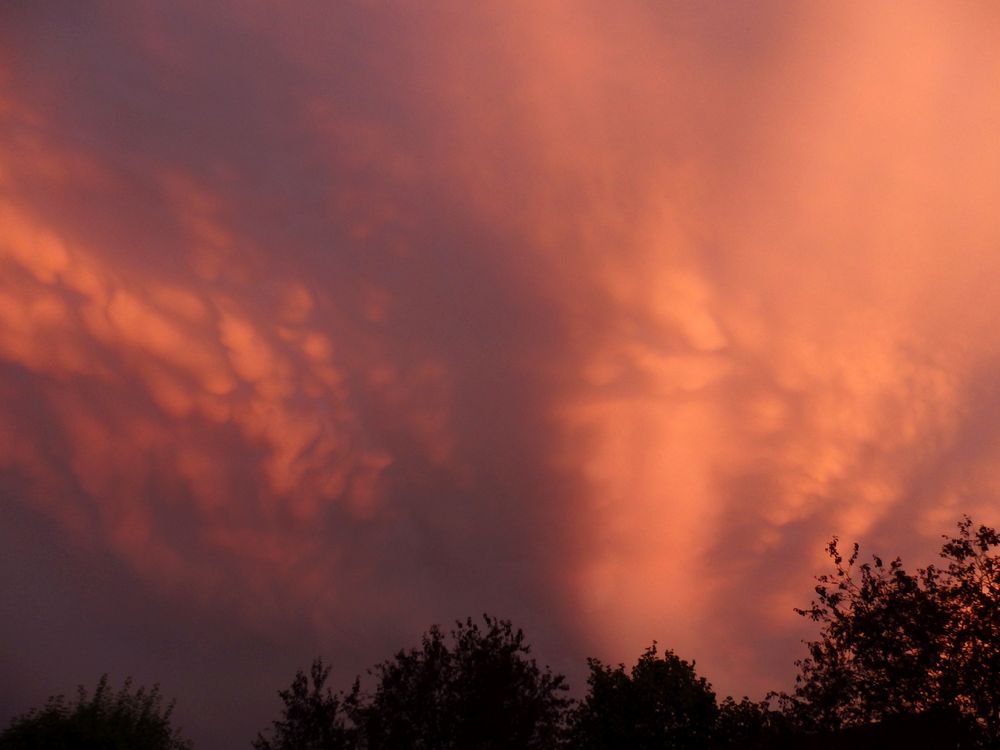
x: 613, y: 316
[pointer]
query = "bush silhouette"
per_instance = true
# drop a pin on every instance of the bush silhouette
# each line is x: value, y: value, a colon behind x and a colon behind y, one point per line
x: 129, y: 719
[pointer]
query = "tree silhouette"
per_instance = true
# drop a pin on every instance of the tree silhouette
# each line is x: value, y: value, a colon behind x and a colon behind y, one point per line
x: 313, y: 717
x: 130, y: 719
x: 661, y: 704
x: 902, y: 659
x: 751, y: 725
x: 476, y: 689
x: 895, y: 643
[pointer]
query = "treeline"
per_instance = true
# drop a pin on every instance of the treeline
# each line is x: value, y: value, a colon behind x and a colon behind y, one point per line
x: 902, y: 660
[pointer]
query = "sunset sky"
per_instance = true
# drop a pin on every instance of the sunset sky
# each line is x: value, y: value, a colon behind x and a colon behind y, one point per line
x: 323, y: 322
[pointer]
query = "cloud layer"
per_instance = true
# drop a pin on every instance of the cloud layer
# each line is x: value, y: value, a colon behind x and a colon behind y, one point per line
x: 320, y: 325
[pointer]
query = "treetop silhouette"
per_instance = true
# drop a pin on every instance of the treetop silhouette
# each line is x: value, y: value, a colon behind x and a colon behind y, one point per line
x: 902, y: 659
x: 477, y: 687
x: 899, y: 643
x: 129, y: 719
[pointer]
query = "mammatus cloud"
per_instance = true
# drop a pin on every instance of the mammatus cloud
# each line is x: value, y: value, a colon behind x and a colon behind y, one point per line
x: 147, y: 381
x: 763, y: 269
x: 613, y: 317
x: 204, y: 414
x: 788, y: 365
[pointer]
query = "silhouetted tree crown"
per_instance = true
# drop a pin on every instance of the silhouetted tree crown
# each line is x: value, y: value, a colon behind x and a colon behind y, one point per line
x: 902, y: 660
x: 750, y: 725
x: 477, y: 688
x: 313, y: 717
x: 662, y: 703
x: 899, y: 643
x: 129, y: 719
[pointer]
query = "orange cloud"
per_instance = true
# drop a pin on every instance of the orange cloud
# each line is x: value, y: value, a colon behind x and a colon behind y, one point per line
x: 764, y: 314
x: 173, y: 367
x: 647, y: 302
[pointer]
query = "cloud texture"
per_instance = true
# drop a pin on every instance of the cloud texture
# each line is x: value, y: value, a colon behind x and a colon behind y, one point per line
x: 319, y: 324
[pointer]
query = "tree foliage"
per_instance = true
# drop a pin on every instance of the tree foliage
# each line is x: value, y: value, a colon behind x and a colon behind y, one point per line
x: 313, y: 717
x: 750, y: 725
x: 899, y: 643
x: 480, y: 688
x: 902, y: 659
x: 477, y: 687
x: 661, y: 703
x: 129, y: 719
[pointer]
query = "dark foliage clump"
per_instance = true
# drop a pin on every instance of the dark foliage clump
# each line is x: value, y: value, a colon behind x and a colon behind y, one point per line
x: 478, y: 687
x: 129, y: 719
x: 896, y: 644
x: 660, y: 703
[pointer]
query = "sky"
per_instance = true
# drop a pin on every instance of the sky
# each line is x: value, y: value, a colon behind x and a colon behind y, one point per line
x: 321, y: 323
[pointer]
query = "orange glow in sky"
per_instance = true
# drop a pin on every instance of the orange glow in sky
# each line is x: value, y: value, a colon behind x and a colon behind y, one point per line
x: 335, y: 322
